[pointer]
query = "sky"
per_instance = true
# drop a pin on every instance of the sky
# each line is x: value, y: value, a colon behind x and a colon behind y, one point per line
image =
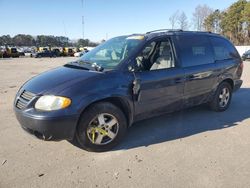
x: 103, y: 18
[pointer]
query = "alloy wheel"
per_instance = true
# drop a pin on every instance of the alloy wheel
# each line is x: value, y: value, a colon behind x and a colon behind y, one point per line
x: 224, y: 97
x: 103, y: 129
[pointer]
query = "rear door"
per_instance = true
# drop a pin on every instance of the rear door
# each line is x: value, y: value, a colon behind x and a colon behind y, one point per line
x: 161, y: 88
x: 227, y: 59
x: 201, y: 72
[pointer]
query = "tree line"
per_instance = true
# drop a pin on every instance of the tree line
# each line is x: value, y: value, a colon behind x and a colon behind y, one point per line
x: 233, y: 22
x: 43, y: 40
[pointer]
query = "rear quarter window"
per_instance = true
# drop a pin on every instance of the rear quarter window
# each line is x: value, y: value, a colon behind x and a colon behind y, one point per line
x: 195, y: 50
x: 223, y: 49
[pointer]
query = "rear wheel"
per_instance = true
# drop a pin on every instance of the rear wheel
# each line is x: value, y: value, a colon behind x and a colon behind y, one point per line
x: 101, y: 127
x: 222, y: 98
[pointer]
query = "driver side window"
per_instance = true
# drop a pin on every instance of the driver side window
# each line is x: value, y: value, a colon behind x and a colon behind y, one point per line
x: 156, y: 55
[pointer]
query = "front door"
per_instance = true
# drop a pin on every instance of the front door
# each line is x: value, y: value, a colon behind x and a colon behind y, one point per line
x: 160, y: 80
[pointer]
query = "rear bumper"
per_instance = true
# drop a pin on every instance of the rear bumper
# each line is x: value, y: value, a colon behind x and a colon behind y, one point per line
x: 48, y: 128
x: 237, y: 84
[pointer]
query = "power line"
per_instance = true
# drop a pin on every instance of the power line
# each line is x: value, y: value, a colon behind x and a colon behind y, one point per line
x: 82, y: 19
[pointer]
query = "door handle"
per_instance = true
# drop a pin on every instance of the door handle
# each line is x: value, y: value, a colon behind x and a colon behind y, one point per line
x: 179, y: 80
x: 193, y: 77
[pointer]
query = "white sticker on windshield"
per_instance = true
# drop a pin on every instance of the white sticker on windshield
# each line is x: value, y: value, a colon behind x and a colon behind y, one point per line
x: 137, y: 37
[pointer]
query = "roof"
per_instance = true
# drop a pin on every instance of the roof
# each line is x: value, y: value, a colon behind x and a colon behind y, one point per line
x: 161, y: 32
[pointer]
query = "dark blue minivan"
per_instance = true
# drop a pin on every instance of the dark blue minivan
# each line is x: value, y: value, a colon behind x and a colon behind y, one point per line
x: 95, y: 99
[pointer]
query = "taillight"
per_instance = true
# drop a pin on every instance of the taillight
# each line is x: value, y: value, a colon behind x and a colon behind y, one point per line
x: 240, y: 69
x: 241, y: 65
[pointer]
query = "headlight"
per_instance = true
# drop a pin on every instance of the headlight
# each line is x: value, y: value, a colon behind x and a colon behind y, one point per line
x: 50, y: 102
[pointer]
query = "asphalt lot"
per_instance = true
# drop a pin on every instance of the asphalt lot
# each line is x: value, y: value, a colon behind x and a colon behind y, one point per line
x: 191, y: 148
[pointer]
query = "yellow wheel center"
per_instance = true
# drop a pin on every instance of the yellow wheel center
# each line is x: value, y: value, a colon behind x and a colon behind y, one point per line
x: 97, y: 130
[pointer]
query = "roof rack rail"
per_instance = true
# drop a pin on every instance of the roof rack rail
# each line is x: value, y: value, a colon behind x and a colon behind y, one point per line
x: 167, y: 30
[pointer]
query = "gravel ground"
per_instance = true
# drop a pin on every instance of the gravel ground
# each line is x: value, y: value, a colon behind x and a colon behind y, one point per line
x: 191, y: 148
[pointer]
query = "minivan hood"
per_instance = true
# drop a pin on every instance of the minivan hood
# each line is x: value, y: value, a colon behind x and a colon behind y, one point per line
x: 57, y: 79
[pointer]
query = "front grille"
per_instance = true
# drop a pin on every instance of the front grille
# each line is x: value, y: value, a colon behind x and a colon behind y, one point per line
x: 26, y: 95
x: 24, y: 99
x: 20, y: 104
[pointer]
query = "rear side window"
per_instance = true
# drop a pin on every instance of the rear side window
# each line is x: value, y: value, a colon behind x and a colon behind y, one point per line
x: 195, y: 50
x: 223, y: 49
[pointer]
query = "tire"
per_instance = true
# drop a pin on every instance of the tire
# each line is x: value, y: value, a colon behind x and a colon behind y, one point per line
x: 87, y: 135
x: 217, y: 103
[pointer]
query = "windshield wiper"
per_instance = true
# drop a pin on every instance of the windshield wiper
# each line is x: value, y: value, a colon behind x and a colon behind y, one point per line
x: 94, y: 65
x: 75, y: 64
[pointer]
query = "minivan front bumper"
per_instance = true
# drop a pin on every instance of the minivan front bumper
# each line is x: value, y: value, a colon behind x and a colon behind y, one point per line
x: 48, y: 128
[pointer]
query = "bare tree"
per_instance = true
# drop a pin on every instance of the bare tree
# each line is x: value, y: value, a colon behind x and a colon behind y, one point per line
x: 182, y: 21
x: 199, y: 15
x: 173, y: 19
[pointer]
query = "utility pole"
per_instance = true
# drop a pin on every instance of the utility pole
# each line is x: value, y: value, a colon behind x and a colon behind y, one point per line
x: 83, y: 27
x: 82, y: 20
x: 64, y: 27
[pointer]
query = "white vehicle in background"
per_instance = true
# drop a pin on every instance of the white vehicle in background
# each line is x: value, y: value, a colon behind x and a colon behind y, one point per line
x: 89, y: 48
x: 79, y: 54
x: 83, y: 51
x: 29, y: 54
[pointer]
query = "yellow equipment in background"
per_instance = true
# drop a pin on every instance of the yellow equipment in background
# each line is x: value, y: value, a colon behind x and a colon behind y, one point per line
x: 11, y: 52
x: 68, y: 51
x: 42, y: 49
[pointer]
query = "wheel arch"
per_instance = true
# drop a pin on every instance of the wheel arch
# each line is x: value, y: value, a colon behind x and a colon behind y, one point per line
x: 119, y: 102
x: 229, y: 81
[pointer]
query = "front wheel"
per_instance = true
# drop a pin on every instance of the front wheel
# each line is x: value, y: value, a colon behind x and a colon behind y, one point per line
x: 101, y: 127
x: 222, y: 98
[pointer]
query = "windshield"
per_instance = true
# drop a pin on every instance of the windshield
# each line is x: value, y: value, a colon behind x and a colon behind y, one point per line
x: 109, y: 54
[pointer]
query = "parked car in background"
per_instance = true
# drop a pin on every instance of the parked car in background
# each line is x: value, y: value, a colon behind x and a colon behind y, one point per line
x: 95, y: 99
x: 47, y: 53
x: 246, y: 56
x: 28, y: 53
x: 1, y: 52
x: 80, y: 54
x: 21, y: 53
